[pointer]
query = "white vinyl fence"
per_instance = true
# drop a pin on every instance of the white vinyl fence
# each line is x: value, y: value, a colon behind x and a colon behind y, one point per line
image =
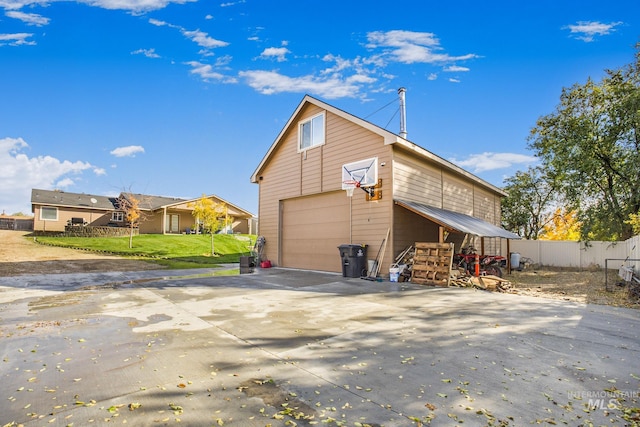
x: 554, y: 253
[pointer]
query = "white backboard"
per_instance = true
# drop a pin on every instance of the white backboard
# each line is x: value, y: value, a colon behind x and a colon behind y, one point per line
x: 364, y: 172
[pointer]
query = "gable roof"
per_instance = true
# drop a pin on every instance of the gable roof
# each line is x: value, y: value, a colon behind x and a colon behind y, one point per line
x: 76, y: 200
x: 90, y: 201
x: 388, y: 137
x: 153, y: 203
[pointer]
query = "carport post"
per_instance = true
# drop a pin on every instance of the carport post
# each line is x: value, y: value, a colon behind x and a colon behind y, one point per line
x: 508, y: 256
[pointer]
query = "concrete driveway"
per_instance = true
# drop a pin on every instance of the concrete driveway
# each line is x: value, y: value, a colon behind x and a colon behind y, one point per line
x: 282, y: 347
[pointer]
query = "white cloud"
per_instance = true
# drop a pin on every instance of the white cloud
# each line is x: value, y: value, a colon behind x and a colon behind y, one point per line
x: 455, y: 69
x: 157, y: 22
x: 452, y: 80
x: 16, y: 39
x: 488, y: 161
x: 587, y: 30
x: 20, y: 173
x: 279, y: 53
x: 29, y: 18
x: 203, y: 39
x: 272, y: 82
x: 432, y: 76
x: 233, y: 3
x: 206, y: 72
x: 132, y: 5
x: 149, y: 53
x: 99, y: 171
x: 129, y: 151
x: 412, y: 47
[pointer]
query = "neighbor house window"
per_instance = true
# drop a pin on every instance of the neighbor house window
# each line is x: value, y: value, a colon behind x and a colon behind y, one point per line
x: 48, y: 214
x: 311, y: 132
x: 117, y: 216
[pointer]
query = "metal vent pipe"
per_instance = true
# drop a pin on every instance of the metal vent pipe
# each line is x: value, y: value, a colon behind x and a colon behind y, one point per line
x: 403, y: 113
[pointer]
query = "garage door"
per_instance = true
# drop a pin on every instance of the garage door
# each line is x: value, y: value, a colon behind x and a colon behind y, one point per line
x: 312, y: 229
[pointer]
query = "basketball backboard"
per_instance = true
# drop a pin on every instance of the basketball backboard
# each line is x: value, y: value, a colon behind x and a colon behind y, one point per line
x: 363, y: 173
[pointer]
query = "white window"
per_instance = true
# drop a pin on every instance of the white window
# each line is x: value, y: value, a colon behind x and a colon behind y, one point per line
x: 311, y: 132
x: 117, y: 216
x: 48, y: 213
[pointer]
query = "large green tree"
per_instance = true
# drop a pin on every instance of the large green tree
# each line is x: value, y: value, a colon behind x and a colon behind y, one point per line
x: 591, y: 145
x: 529, y: 204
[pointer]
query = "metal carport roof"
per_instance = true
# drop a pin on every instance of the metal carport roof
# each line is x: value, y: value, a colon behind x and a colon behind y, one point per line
x: 457, y: 221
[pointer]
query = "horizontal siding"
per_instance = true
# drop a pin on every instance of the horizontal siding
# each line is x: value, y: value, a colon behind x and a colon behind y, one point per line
x: 95, y: 218
x: 415, y: 181
x: 457, y: 194
x: 422, y: 181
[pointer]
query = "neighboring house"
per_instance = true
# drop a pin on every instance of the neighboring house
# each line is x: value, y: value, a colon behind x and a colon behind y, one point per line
x: 54, y: 210
x: 305, y: 214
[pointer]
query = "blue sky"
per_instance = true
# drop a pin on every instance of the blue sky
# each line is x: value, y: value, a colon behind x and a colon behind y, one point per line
x: 181, y: 98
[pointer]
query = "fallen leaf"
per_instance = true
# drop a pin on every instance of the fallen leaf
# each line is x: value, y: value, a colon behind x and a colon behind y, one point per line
x: 134, y: 406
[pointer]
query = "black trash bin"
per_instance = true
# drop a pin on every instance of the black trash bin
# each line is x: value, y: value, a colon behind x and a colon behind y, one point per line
x: 354, y: 260
x: 246, y: 264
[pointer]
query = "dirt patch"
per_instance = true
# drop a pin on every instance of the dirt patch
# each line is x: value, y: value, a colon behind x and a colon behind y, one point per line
x: 587, y: 286
x: 20, y: 254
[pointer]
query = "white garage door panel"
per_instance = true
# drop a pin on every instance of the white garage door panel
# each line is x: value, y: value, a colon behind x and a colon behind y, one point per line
x: 312, y: 229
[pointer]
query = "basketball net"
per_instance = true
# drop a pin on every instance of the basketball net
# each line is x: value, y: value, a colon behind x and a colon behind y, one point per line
x: 349, y: 186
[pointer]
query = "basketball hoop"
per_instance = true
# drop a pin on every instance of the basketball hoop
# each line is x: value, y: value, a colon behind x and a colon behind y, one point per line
x: 349, y: 186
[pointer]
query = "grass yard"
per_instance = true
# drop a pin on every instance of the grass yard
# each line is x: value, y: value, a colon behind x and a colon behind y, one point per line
x: 172, y: 251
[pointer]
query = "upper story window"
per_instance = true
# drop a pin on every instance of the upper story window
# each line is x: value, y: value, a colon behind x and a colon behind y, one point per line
x: 48, y: 213
x: 311, y: 132
x: 117, y: 216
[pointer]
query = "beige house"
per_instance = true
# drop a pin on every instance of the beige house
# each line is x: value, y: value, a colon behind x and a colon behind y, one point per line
x: 54, y: 210
x: 419, y: 197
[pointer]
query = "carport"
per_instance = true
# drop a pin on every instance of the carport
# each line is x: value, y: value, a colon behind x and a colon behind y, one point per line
x: 456, y: 222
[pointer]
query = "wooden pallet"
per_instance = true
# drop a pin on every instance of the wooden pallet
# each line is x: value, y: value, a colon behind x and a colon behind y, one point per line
x: 432, y: 264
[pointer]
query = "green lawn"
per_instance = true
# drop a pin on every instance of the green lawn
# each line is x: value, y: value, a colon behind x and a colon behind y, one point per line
x: 173, y: 251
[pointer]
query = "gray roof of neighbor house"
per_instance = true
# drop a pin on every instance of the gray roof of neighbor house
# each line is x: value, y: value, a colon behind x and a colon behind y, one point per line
x: 90, y: 201
x: 63, y: 198
x: 155, y: 202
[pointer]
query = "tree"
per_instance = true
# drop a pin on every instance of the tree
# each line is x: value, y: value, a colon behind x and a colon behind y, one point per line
x: 213, y: 216
x: 634, y: 222
x: 564, y: 225
x: 130, y: 206
x: 591, y: 144
x: 527, y: 207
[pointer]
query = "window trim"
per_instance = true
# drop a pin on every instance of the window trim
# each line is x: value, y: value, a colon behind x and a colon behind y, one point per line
x: 120, y: 216
x: 310, y: 121
x: 43, y: 208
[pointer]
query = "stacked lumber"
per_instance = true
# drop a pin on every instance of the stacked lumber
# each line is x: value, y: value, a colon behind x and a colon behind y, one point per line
x: 432, y: 264
x: 486, y: 283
